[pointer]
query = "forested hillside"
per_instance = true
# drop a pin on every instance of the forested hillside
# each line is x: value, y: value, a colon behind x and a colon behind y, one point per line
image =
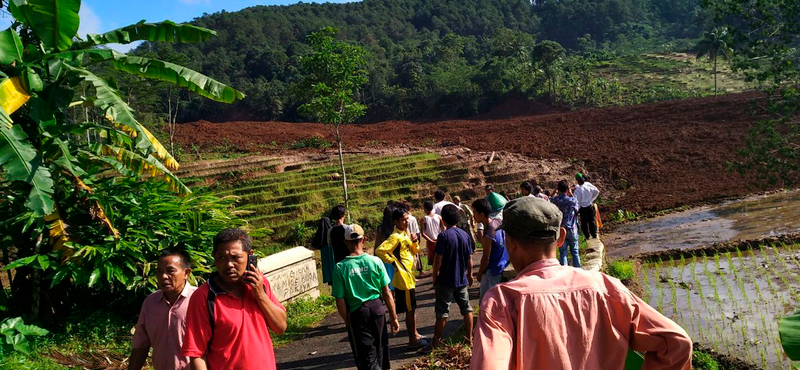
x: 427, y: 58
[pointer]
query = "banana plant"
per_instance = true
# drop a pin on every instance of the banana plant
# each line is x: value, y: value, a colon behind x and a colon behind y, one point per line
x: 44, y: 154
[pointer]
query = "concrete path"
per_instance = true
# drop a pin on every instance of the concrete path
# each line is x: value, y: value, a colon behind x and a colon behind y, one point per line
x: 326, y: 346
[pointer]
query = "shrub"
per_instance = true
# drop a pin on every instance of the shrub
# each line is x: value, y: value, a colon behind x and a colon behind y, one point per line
x: 315, y: 141
x: 622, y: 270
x: 704, y: 361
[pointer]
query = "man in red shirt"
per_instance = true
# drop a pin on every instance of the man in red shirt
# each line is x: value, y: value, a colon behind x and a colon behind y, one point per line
x: 235, y: 334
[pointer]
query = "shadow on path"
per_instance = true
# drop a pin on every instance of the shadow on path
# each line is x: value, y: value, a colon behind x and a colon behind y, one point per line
x: 326, y: 346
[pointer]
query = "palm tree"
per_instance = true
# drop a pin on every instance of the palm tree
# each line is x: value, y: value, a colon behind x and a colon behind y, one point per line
x: 714, y: 45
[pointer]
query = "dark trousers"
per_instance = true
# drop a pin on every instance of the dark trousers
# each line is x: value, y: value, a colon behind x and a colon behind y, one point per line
x: 588, y: 223
x: 368, y: 336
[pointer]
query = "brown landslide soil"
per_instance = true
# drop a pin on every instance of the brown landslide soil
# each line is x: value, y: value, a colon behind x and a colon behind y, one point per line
x: 658, y: 156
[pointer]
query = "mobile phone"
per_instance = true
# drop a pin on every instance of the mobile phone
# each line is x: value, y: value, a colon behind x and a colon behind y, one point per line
x: 252, y: 260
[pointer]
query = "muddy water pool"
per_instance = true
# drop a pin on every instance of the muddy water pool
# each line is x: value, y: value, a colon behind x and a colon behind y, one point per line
x: 751, y: 218
x: 730, y: 302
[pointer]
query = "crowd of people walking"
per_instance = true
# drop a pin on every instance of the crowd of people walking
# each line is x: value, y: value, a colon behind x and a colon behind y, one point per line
x: 550, y: 315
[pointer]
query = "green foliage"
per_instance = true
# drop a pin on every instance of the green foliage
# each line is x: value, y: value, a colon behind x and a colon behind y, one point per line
x: 703, y: 361
x: 335, y: 73
x: 64, y: 215
x: 15, y: 335
x: 316, y: 141
x: 715, y: 45
x: 789, y: 329
x: 426, y: 59
x: 304, y: 314
x: 149, y: 218
x: 766, y: 50
x: 548, y: 54
x: 620, y: 216
x: 622, y: 270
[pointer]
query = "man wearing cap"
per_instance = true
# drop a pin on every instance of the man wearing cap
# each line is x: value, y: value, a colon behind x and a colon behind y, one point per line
x: 557, y: 317
x: 585, y: 194
x: 359, y: 281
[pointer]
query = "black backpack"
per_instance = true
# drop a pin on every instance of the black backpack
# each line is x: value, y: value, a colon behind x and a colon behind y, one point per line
x: 213, y: 290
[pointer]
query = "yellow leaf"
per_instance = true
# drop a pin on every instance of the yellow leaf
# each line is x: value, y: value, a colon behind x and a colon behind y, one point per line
x: 12, y: 94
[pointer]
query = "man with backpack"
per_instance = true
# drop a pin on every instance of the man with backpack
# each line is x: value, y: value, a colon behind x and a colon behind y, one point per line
x: 230, y: 316
x: 359, y: 282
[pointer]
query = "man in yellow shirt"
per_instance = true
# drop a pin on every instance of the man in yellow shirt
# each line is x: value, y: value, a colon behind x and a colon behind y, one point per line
x: 399, y: 251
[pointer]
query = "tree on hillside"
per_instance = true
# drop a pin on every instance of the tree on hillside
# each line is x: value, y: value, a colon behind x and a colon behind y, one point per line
x: 766, y: 38
x: 715, y: 45
x: 548, y: 54
x: 54, y: 166
x: 336, y: 72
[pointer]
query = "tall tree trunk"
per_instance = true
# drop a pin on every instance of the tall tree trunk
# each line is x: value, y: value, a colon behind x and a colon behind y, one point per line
x: 715, y: 74
x: 344, y: 175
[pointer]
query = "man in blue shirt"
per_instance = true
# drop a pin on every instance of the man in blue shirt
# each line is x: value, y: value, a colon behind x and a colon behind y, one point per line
x: 569, y: 221
x: 493, y: 241
x: 452, y: 273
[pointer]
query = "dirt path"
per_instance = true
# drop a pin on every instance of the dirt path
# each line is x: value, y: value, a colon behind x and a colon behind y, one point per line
x: 656, y: 156
x: 326, y: 346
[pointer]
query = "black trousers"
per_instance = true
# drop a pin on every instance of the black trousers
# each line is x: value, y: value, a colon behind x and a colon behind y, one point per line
x: 368, y: 336
x: 588, y: 223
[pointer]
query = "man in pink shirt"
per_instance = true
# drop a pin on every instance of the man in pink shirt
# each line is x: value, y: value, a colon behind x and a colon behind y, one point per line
x: 162, y: 320
x: 557, y: 317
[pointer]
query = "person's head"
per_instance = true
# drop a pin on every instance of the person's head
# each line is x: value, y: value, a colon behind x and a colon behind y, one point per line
x: 563, y: 186
x: 428, y: 206
x: 354, y: 238
x: 533, y: 230
x: 482, y: 209
x: 580, y: 179
x: 337, y: 213
x: 387, y: 225
x: 450, y: 215
x: 537, y: 190
x: 404, y: 204
x: 173, y: 268
x: 457, y: 200
x: 400, y: 219
x: 547, y: 192
x: 489, y: 189
x: 231, y: 249
x: 438, y: 196
x: 525, y: 188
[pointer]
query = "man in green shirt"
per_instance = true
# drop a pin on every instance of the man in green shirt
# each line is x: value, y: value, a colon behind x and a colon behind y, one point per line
x: 359, y: 282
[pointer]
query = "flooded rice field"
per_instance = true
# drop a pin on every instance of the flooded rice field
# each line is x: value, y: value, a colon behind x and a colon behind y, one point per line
x: 751, y: 218
x: 731, y: 301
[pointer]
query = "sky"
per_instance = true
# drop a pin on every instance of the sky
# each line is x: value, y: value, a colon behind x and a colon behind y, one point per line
x: 99, y: 16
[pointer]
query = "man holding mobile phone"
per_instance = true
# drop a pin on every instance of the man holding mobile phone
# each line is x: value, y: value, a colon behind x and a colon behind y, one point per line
x: 230, y: 316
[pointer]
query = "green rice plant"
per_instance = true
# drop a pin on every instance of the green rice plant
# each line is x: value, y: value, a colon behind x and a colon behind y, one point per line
x: 683, y: 266
x: 646, y: 281
x: 763, y: 358
x: 674, y: 296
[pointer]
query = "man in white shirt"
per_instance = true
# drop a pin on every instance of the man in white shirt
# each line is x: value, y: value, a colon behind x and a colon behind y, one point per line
x: 440, y: 202
x: 585, y: 194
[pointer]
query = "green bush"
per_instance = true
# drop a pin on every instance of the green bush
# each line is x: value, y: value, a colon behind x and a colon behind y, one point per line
x: 16, y: 335
x: 703, y: 361
x: 622, y: 270
x: 315, y: 141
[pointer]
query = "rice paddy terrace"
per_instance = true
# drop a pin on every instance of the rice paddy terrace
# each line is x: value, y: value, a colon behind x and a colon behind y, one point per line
x: 290, y: 193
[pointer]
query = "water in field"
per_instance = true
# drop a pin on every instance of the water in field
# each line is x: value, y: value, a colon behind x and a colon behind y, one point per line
x: 751, y: 218
x: 731, y: 302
